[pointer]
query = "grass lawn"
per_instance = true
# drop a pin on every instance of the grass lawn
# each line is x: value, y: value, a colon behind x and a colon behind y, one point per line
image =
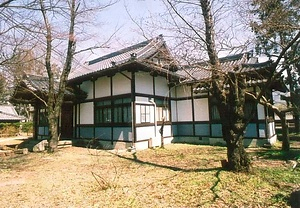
x: 180, y: 175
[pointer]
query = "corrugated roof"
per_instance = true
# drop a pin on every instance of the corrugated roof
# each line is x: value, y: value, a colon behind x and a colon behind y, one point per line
x: 8, y: 113
x: 137, y: 52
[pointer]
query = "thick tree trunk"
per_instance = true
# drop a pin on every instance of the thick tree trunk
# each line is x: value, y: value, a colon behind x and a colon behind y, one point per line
x: 53, y: 133
x: 231, y: 110
x: 238, y: 159
x: 233, y: 134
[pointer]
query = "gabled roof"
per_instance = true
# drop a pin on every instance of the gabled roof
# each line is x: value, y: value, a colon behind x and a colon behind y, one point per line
x: 135, y: 53
x: 8, y: 113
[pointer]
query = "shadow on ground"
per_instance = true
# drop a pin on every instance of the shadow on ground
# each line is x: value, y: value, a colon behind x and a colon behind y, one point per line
x: 136, y: 160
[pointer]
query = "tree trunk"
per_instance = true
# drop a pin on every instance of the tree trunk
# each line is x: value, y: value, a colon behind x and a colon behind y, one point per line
x: 233, y: 124
x: 229, y: 90
x: 233, y: 134
x: 53, y: 132
x: 238, y: 159
x: 285, y: 133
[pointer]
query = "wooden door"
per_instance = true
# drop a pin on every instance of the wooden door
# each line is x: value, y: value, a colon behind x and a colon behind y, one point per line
x: 67, y: 121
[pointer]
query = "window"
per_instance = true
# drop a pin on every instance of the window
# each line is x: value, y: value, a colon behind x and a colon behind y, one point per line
x: 162, y: 110
x: 145, y: 114
x: 43, y: 120
x: 116, y: 111
x: 215, y: 115
x: 103, y: 112
x: 122, y: 110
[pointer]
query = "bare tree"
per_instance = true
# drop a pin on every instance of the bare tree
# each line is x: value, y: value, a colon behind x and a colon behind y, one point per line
x: 199, y: 38
x: 53, y: 29
x: 277, y: 30
x: 195, y: 23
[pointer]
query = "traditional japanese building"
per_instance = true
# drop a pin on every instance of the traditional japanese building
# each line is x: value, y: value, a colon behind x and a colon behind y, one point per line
x: 127, y: 96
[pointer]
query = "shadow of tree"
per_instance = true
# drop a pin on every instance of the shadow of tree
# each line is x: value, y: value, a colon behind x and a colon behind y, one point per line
x: 136, y: 160
x: 277, y: 154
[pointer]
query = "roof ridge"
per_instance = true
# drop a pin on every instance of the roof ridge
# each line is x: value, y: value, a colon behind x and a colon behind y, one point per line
x: 121, y: 51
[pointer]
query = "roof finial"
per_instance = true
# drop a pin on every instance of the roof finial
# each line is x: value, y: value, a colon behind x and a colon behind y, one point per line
x: 133, y: 56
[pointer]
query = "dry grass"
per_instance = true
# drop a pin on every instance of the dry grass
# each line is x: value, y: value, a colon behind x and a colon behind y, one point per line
x: 177, y: 176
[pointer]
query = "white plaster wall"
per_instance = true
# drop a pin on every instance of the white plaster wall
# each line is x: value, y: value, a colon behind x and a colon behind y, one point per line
x: 201, y: 109
x: 143, y: 133
x: 173, y: 92
x: 121, y: 84
x: 184, y: 108
x: 167, y: 131
x: 102, y: 87
x: 161, y: 86
x: 144, y: 83
x: 174, y: 111
x: 183, y: 91
x: 139, y: 99
x: 86, y: 113
x: 260, y: 112
x: 87, y: 86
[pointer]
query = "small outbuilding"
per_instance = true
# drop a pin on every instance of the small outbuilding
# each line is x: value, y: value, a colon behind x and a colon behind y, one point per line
x: 8, y: 114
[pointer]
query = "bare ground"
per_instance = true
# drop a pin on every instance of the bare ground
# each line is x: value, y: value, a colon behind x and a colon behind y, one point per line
x: 177, y: 176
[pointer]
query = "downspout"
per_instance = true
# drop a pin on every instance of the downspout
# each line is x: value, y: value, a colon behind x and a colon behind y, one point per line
x: 155, y: 121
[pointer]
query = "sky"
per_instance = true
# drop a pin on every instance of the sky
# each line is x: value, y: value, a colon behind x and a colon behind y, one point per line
x: 122, y: 19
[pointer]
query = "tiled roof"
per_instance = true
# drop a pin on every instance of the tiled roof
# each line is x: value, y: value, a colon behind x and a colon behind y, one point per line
x: 239, y: 62
x: 40, y: 83
x: 141, y: 53
x: 8, y: 113
x: 137, y: 52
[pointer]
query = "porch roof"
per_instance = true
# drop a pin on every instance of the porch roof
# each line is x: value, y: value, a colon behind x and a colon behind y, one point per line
x: 33, y: 88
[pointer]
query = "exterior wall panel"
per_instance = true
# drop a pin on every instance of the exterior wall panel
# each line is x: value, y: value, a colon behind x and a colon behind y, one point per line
x: 122, y: 133
x: 87, y: 87
x: 202, y: 129
x: 185, y: 129
x: 183, y: 91
x: 201, y: 109
x: 251, y: 130
x: 103, y: 133
x: 87, y: 113
x: 174, y: 111
x: 121, y: 84
x: 144, y: 83
x: 184, y: 108
x: 261, y: 112
x: 102, y: 87
x: 161, y: 87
